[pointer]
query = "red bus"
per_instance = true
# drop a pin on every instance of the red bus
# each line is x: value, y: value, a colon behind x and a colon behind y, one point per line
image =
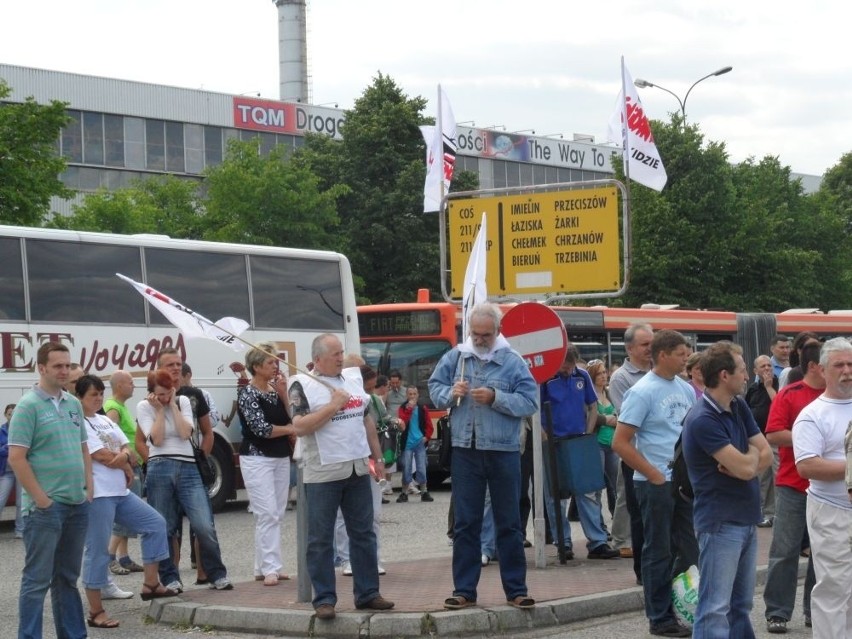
x: 412, y: 337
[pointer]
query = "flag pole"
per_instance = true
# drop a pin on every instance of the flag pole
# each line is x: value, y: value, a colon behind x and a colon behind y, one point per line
x: 625, y: 159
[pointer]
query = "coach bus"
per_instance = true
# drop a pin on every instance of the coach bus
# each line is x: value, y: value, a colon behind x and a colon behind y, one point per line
x: 412, y: 337
x: 61, y: 285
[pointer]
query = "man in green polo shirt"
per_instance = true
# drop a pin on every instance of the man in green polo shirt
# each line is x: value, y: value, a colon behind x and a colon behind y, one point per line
x: 48, y: 452
x: 121, y: 385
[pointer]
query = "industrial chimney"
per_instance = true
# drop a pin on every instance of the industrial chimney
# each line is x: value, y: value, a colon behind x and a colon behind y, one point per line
x: 293, y: 50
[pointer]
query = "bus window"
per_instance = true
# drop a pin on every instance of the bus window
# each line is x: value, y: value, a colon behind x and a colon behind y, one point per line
x: 212, y: 284
x: 12, y: 282
x: 69, y: 282
x: 415, y: 361
x: 309, y: 297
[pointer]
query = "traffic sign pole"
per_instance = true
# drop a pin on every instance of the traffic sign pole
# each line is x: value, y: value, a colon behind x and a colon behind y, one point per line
x: 536, y: 332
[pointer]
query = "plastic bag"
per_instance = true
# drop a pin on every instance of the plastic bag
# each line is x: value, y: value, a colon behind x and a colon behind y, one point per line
x: 685, y: 595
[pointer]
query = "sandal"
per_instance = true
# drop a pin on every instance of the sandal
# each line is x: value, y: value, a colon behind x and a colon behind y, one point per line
x: 155, y: 592
x: 523, y: 602
x: 281, y: 577
x: 108, y: 623
x: 458, y: 602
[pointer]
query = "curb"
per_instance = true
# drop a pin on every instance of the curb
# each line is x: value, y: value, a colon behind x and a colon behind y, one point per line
x: 496, y: 620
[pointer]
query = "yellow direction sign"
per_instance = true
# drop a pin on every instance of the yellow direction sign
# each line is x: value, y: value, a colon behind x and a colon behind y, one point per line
x: 555, y: 242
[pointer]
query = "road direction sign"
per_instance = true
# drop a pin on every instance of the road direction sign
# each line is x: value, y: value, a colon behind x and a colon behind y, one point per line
x: 537, y: 333
x: 552, y: 242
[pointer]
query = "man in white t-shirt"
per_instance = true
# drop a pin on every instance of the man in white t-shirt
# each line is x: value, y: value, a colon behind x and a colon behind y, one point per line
x: 818, y: 446
x: 329, y: 414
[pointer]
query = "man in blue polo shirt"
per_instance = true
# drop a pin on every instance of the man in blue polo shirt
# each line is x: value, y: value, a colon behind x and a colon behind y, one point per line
x: 725, y: 453
x: 573, y: 403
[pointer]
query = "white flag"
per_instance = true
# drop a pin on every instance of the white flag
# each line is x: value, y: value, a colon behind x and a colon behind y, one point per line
x: 475, y: 290
x: 190, y: 323
x: 629, y: 128
x: 441, y: 150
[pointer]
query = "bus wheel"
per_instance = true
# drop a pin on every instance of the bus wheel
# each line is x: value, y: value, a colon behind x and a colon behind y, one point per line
x: 222, y: 488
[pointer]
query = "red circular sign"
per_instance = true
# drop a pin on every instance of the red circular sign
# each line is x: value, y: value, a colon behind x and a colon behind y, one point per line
x: 537, y: 333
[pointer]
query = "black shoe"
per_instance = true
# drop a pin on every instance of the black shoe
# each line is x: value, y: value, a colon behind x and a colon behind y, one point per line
x: 425, y: 496
x: 402, y: 498
x: 776, y: 625
x: 671, y: 629
x: 766, y: 523
x: 604, y: 551
x: 385, y: 501
x: 808, y: 622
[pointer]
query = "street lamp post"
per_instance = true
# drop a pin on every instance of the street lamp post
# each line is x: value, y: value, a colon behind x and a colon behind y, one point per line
x: 642, y: 84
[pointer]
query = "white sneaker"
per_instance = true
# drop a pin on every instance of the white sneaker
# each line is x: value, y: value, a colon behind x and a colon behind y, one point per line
x: 346, y: 569
x: 388, y: 489
x: 382, y: 570
x: 114, y: 592
x: 175, y: 585
x: 413, y: 489
x: 222, y: 583
x: 486, y: 560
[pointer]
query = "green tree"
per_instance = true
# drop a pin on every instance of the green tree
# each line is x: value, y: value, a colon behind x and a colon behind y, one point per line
x: 165, y: 205
x: 29, y: 166
x: 254, y: 198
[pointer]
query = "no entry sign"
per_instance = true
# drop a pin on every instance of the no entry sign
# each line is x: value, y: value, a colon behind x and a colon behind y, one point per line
x: 537, y: 333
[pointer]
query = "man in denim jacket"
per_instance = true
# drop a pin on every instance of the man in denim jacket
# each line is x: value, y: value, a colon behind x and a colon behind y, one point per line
x: 490, y: 390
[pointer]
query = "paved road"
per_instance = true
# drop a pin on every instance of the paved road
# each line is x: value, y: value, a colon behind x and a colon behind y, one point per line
x: 415, y: 530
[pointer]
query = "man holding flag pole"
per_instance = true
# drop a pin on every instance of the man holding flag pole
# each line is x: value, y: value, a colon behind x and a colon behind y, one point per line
x: 489, y: 389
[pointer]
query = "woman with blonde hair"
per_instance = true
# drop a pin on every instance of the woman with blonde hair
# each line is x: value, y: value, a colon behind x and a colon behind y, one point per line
x: 265, y: 457
x: 607, y: 418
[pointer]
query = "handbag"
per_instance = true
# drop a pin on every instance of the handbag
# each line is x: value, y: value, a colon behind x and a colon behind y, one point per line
x: 205, y: 468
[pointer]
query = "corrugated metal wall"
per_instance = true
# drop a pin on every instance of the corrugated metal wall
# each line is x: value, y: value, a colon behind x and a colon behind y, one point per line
x: 107, y: 95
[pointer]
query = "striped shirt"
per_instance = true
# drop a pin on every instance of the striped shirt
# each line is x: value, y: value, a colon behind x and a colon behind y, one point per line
x: 53, y: 433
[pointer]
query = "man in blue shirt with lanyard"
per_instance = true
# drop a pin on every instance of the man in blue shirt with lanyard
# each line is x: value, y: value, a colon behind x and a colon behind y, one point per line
x: 573, y: 403
x: 725, y: 453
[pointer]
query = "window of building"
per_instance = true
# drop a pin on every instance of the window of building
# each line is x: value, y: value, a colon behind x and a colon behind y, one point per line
x: 93, y: 138
x: 72, y: 137
x: 193, y: 135
x: 113, y: 140
x: 212, y: 146
x: 134, y: 143
x: 155, y: 145
x: 175, y: 161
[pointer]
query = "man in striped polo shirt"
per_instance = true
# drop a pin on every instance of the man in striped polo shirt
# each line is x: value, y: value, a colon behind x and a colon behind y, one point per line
x: 50, y: 457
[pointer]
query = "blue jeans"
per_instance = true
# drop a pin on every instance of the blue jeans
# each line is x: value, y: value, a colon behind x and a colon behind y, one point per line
x: 588, y: 508
x: 727, y: 564
x: 132, y: 514
x: 7, y: 483
x: 487, y: 543
x: 136, y: 488
x: 418, y: 453
x: 782, y: 574
x: 353, y: 496
x: 53, y: 541
x: 175, y: 487
x: 499, y: 472
x: 670, y: 546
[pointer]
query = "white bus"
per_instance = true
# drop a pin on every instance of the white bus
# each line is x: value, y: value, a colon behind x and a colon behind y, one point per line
x: 61, y: 285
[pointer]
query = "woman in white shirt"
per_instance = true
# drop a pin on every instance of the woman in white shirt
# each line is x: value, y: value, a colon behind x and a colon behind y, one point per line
x: 112, y: 474
x: 173, y: 482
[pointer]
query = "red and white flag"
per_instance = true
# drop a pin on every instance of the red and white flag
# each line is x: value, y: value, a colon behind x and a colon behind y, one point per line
x: 441, y: 150
x: 190, y: 323
x: 629, y: 128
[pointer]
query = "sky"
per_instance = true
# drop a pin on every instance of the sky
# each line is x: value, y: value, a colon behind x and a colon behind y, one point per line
x: 548, y: 65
